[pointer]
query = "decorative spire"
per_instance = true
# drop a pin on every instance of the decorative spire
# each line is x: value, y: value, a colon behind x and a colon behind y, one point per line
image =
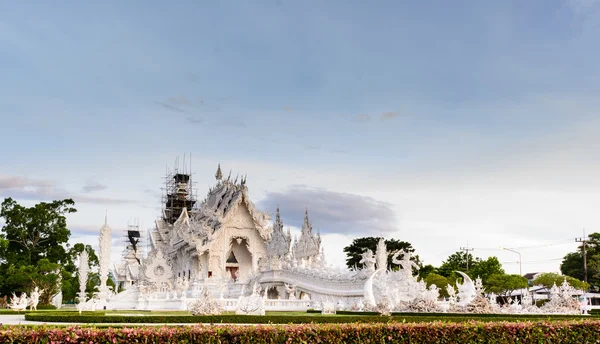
x: 219, y: 174
x: 277, y: 216
x: 105, y: 217
x: 306, y: 226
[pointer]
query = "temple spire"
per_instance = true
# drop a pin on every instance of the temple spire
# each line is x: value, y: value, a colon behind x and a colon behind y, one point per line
x: 306, y: 222
x: 277, y: 216
x: 105, y: 217
x: 219, y: 174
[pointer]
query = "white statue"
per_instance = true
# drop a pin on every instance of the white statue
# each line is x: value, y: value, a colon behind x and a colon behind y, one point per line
x: 18, y: 303
x: 406, y: 263
x: 368, y: 260
x: 291, y: 291
x: 58, y: 297
x: 35, y: 298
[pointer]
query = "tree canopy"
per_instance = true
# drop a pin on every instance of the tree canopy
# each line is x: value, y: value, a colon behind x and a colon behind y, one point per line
x: 477, y: 266
x: 440, y: 281
x: 505, y: 284
x: 549, y: 279
x: 572, y: 264
x: 34, y: 249
x: 359, y: 245
x: 35, y: 233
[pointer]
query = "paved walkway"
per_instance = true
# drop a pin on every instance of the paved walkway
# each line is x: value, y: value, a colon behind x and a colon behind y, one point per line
x: 19, y: 319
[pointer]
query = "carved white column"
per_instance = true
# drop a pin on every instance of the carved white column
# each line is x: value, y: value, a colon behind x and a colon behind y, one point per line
x: 83, y: 277
x: 105, y: 241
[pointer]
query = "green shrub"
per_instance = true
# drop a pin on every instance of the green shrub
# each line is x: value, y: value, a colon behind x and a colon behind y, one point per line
x: 46, y: 307
x: 344, y: 312
x: 565, y: 332
x: 90, y: 317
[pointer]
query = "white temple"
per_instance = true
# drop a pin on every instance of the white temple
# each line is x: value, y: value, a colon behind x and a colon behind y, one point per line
x: 223, y: 254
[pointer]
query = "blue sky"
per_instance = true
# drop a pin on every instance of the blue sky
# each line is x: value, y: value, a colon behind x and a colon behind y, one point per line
x: 440, y: 101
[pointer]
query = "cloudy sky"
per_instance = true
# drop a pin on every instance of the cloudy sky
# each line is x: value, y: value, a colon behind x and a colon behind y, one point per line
x: 439, y: 123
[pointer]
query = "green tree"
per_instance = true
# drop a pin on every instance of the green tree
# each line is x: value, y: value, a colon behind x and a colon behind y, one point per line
x: 34, y: 249
x: 486, y: 268
x: 425, y: 270
x: 359, y: 245
x: 457, y: 262
x: 35, y: 233
x: 440, y: 281
x: 549, y: 279
x: 572, y: 264
x: 477, y: 267
x: 44, y: 275
x: 504, y: 284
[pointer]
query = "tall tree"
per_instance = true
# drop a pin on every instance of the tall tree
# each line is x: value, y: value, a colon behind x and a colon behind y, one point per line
x: 359, y: 245
x: 477, y: 267
x: 572, y: 264
x: 486, y: 268
x: 505, y: 284
x: 34, y: 249
x: 35, y: 233
x: 457, y: 262
x: 549, y: 279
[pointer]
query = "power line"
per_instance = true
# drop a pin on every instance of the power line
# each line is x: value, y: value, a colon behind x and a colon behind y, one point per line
x: 562, y: 242
x: 535, y: 261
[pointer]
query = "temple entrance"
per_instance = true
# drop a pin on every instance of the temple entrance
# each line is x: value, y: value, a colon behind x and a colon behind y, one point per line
x: 232, y: 266
x: 238, y: 261
x: 233, y: 271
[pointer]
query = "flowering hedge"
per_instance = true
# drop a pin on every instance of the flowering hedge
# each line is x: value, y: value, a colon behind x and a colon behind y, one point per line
x: 586, y: 331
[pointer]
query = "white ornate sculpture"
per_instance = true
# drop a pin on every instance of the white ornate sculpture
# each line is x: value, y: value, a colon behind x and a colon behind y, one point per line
x: 328, y: 307
x: 105, y: 243
x: 157, y: 269
x: 466, y: 290
x: 83, y: 277
x: 19, y: 303
x: 253, y: 304
x: 368, y: 260
x: 35, y: 298
x: 451, y: 294
x: 561, y: 300
x: 205, y: 305
x: 381, y: 255
x: 368, y: 290
x: 291, y: 291
x: 58, y: 297
x: 406, y: 263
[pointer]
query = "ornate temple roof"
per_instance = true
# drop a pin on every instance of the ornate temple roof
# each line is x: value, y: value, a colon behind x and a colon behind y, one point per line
x: 223, y: 199
x: 197, y: 226
x: 309, y: 244
x: 279, y: 243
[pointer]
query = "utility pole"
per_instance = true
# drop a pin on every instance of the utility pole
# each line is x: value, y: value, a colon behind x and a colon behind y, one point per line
x: 520, y: 260
x: 583, y: 241
x: 467, y: 249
